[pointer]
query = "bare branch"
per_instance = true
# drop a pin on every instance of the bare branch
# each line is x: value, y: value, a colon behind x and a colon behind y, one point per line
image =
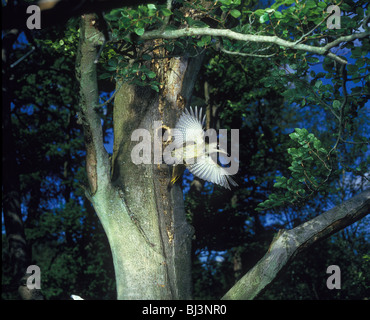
x: 23, y: 57
x: 97, y: 163
x: 111, y: 97
x: 247, y: 54
x: 346, y: 39
x: 354, y: 142
x: 341, y: 109
x: 287, y: 244
x: 312, y: 30
x: 166, y: 19
x: 174, y: 34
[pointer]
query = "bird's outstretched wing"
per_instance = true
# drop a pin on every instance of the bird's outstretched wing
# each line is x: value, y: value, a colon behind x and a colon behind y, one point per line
x: 189, y: 127
x: 206, y: 169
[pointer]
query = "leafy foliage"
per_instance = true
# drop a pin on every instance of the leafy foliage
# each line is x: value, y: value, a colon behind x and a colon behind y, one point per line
x: 307, y: 97
x: 309, y: 165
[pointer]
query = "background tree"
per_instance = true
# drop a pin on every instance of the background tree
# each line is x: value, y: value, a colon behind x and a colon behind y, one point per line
x: 153, y: 56
x: 61, y: 229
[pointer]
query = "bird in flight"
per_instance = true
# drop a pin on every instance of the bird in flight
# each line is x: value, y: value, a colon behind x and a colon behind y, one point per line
x: 192, y: 150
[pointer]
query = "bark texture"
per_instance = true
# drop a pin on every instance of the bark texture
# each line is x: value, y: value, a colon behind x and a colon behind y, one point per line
x: 144, y: 220
x: 157, y: 210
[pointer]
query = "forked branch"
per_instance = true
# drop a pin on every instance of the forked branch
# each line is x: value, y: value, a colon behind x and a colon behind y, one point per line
x: 97, y: 164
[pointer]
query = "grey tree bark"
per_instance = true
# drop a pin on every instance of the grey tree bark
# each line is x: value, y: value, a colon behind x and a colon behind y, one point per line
x: 144, y: 220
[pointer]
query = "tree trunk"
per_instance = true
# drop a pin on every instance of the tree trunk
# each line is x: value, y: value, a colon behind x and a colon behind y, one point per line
x: 144, y: 220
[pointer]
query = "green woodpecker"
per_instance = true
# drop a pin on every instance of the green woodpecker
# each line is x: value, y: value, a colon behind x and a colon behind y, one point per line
x: 192, y: 150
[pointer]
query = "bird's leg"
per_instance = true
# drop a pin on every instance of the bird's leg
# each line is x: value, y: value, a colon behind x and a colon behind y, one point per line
x: 177, y: 171
x: 175, y: 176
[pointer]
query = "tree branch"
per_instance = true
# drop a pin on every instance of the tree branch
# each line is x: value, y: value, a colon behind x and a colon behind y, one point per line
x: 287, y: 244
x: 97, y: 162
x: 365, y: 21
x: 174, y: 34
x: 312, y: 30
x: 242, y: 54
x: 166, y: 19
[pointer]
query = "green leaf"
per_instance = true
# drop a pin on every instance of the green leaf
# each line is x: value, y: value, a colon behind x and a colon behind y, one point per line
x: 205, y: 40
x: 293, y: 136
x: 317, y: 143
x: 313, y: 60
x: 336, y: 104
x: 235, y: 13
x: 277, y: 184
x: 278, y: 14
x: 322, y: 4
x: 310, y: 4
x: 318, y: 84
x: 151, y: 75
x: 292, y: 151
x: 264, y: 18
x: 259, y: 12
x: 155, y: 87
x: 139, y: 31
x: 280, y: 182
x: 166, y: 12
